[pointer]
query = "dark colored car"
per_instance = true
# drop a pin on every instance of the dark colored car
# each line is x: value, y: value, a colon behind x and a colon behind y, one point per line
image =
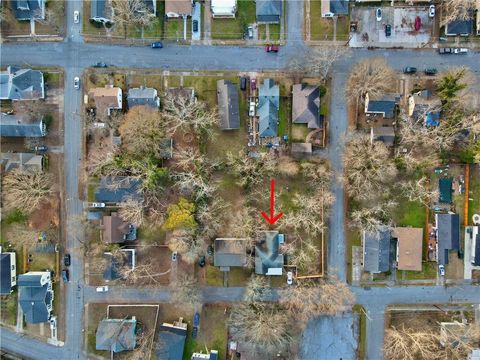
x: 41, y: 148
x: 418, y: 23
x: 201, y: 261
x: 410, y: 70
x: 388, y: 30
x: 100, y: 65
x: 430, y: 71
x: 253, y: 84
x: 157, y: 45
x: 65, y: 275
x: 210, y: 250
x: 194, y: 332
x: 243, y: 83
x: 195, y: 25
x: 67, y: 260
x: 271, y: 48
x: 196, y: 319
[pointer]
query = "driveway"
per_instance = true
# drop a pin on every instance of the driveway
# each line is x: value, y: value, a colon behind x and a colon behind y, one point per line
x: 197, y: 15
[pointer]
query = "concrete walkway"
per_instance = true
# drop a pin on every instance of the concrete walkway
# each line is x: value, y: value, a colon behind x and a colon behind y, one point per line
x: 207, y: 23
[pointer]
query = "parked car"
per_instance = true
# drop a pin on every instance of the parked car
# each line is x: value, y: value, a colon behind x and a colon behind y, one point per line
x: 195, y: 25
x: 196, y: 319
x: 98, y: 205
x: 410, y: 70
x: 460, y: 51
x: 76, y: 82
x: 431, y: 11
x: 388, y: 30
x: 253, y: 84
x: 41, y: 148
x: 100, y: 65
x: 194, y: 332
x: 76, y: 17
x: 445, y: 51
x: 250, y: 32
x: 157, y: 45
x: 201, y: 261
x: 418, y: 23
x: 243, y: 83
x: 65, y: 275
x: 441, y: 270
x: 271, y: 48
x: 102, y: 288
x: 67, y: 260
x: 430, y: 71
x: 378, y: 14
x: 210, y: 250
x: 174, y: 256
x: 251, y: 109
x: 289, y: 278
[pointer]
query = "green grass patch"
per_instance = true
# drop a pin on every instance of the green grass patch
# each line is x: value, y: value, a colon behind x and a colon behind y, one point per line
x: 362, y: 330
x: 231, y: 29
x: 343, y: 28
x: 274, y: 32
x: 474, y: 192
x: 42, y: 261
x: 320, y: 28
x: 283, y: 118
x: 429, y: 271
x: 214, y: 276
x: 57, y: 7
x: 173, y: 29
x: 16, y: 216
x: 239, y: 276
x: 409, y: 213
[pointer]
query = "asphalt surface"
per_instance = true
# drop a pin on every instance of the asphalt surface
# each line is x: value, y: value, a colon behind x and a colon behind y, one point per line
x: 74, y: 56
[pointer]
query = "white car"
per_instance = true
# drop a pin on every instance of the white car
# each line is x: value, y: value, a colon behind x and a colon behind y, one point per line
x: 102, y: 288
x: 378, y: 14
x: 76, y: 17
x: 441, y: 270
x: 461, y: 51
x: 98, y: 205
x: 431, y: 11
x: 251, y: 110
x: 76, y: 82
x: 289, y: 278
x: 174, y: 256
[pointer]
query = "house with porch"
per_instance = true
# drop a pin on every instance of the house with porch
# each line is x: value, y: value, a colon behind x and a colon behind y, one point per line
x: 268, y: 11
x: 35, y: 296
x: 268, y: 260
x: 21, y: 84
x: 223, y: 8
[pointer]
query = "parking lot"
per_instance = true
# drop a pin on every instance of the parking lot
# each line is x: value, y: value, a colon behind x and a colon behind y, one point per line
x: 371, y: 32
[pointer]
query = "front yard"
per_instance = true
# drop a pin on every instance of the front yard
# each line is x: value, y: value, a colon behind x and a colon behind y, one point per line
x: 231, y: 29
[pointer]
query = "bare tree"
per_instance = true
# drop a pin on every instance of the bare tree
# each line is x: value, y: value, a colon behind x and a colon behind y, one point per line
x: 369, y: 218
x: 257, y: 290
x: 131, y: 12
x: 212, y: 216
x: 185, y: 290
x: 132, y: 211
x: 372, y: 76
x: 26, y: 190
x: 456, y: 10
x: 101, y: 156
x: 318, y: 61
x: 187, y: 243
x: 21, y: 236
x: 317, y: 172
x: 251, y: 171
x: 287, y: 166
x: 143, y: 347
x: 193, y: 183
x: 419, y: 190
x: 305, y: 255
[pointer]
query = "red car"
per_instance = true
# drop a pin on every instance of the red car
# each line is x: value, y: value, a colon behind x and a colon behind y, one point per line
x: 418, y: 23
x: 253, y: 84
x: 271, y: 48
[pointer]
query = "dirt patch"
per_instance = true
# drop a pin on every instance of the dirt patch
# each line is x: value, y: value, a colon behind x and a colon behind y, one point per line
x: 45, y: 215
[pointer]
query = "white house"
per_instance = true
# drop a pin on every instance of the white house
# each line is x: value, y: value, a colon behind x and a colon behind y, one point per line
x: 224, y: 8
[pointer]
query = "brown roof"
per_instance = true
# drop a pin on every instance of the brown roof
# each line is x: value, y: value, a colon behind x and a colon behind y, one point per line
x: 181, y: 7
x: 306, y: 105
x: 113, y: 229
x: 410, y: 242
x: 105, y: 98
x: 302, y: 148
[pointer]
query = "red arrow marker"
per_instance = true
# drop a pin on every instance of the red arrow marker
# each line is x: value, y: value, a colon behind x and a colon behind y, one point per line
x: 272, y: 219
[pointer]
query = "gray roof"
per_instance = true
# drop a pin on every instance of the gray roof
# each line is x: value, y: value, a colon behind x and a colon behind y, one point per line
x: 22, y: 161
x: 459, y: 27
x: 268, y: 106
x: 339, y: 7
x: 115, y: 264
x: 21, y: 84
x: 230, y: 252
x: 448, y: 235
x: 171, y: 343
x: 267, y: 253
x: 5, y: 272
x: 227, y: 96
x: 13, y: 126
x: 306, y: 105
x: 28, y: 9
x: 98, y: 9
x: 376, y: 248
x: 386, y: 134
x: 268, y: 10
x: 119, y: 188
x: 385, y: 105
x: 116, y: 335
x: 476, y: 260
x: 143, y: 96
x: 34, y: 298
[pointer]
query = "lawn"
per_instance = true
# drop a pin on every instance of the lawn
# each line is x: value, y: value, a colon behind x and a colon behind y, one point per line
x: 284, y: 117
x: 239, y: 276
x: 8, y: 312
x: 474, y: 192
x: 274, y: 32
x: 409, y: 213
x: 88, y: 27
x: 231, y: 29
x: 58, y: 8
x: 320, y: 28
x: 173, y: 29
x: 42, y: 261
x: 363, y: 330
x: 429, y: 271
x: 343, y: 28
x: 214, y: 276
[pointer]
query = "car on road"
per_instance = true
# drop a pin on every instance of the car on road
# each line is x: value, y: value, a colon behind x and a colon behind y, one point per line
x: 195, y: 25
x: 251, y: 109
x: 201, y: 261
x: 174, y: 256
x: 289, y: 278
x: 102, y: 288
x: 67, y: 260
x: 100, y: 64
x: 431, y: 11
x: 441, y: 270
x: 65, y: 275
x: 460, y: 51
x: 418, y: 23
x: 76, y: 82
x: 430, y: 71
x: 156, y: 45
x: 378, y: 14
x: 271, y: 48
x: 410, y: 70
x: 41, y: 148
x: 98, y: 205
x: 388, y: 30
x: 76, y: 17
x: 250, y: 32
x: 445, y: 51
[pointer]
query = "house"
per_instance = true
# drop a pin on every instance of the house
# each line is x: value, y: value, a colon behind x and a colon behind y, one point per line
x: 101, y: 11
x: 28, y: 9
x: 306, y: 105
x: 268, y: 11
x: 223, y: 8
x: 268, y: 260
x: 171, y: 340
x: 334, y: 8
x: 22, y: 161
x: 445, y: 190
x: 409, y: 248
x: 117, y: 231
x: 185, y: 92
x: 35, y: 296
x: 115, y: 189
x: 178, y: 8
x: 267, y: 108
x: 300, y: 149
x: 377, y: 250
x: 475, y: 354
x: 116, y: 335
x: 448, y: 235
x: 227, y: 97
x: 212, y: 355
x: 124, y: 259
x: 475, y: 247
x: 384, y: 106
x: 459, y: 28
x: 143, y: 96
x: 8, y: 272
x: 21, y: 84
x: 106, y: 99
x: 14, y: 126
x: 230, y: 252
x: 385, y: 134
